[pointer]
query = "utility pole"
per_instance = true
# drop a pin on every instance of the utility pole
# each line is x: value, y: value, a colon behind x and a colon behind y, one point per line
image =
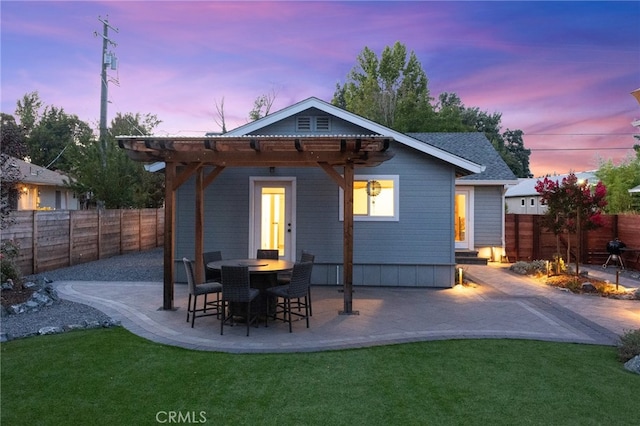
x: 108, y: 60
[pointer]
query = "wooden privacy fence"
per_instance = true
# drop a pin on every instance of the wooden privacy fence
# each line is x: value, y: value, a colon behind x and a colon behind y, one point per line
x: 55, y: 239
x: 526, y: 239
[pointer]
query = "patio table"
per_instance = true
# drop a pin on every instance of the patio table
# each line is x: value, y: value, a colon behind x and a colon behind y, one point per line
x: 263, y: 274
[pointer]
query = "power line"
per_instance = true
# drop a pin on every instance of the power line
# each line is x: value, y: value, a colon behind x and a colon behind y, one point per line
x: 579, y: 134
x: 579, y: 149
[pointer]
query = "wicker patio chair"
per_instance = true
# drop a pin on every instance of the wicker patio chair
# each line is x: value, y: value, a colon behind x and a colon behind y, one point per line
x: 296, y: 291
x: 196, y: 290
x: 267, y: 254
x: 236, y: 289
x: 285, y: 277
x: 211, y: 275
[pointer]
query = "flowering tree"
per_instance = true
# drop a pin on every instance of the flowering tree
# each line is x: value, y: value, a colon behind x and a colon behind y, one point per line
x: 572, y: 206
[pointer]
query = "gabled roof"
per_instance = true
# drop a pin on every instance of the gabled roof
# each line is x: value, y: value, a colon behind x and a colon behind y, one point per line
x: 464, y: 166
x: 37, y: 175
x: 474, y: 147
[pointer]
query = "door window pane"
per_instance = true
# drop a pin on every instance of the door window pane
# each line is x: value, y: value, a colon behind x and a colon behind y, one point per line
x: 460, y: 224
x: 273, y: 219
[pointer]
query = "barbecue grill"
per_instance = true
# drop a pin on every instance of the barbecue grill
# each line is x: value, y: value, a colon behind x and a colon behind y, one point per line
x: 615, y: 248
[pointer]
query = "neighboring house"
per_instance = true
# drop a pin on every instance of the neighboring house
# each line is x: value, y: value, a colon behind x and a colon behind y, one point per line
x: 406, y: 208
x: 43, y: 189
x: 523, y: 198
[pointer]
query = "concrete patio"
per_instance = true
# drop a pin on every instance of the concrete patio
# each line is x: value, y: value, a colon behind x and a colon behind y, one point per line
x: 499, y: 304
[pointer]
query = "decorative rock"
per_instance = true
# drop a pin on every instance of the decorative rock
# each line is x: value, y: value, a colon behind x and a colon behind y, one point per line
x: 51, y: 292
x: 8, y: 285
x: 72, y: 327
x: 111, y: 323
x: 633, y: 364
x: 16, y: 309
x: 50, y: 330
x: 41, y: 298
x: 45, y: 296
x: 29, y: 284
x: 588, y: 287
x: 92, y: 324
x: 31, y: 305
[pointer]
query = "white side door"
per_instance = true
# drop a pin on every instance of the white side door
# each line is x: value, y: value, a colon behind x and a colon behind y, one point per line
x: 272, y: 215
x: 463, y: 218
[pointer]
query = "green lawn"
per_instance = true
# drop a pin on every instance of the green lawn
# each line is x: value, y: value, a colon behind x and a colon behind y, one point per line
x: 112, y: 377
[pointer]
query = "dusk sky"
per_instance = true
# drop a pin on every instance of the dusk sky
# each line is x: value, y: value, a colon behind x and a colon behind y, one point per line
x: 562, y: 72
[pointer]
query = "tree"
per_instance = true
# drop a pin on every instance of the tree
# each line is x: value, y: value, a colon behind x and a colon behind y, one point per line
x: 12, y: 145
x: 219, y: 118
x: 49, y: 131
x: 29, y: 109
x: 453, y: 116
x: 517, y: 157
x: 262, y: 105
x: 13, y: 140
x: 619, y: 180
x: 572, y: 206
x: 391, y: 90
x: 119, y: 182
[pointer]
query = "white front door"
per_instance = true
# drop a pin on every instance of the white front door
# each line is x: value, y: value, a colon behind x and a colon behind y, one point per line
x: 272, y: 216
x: 463, y: 218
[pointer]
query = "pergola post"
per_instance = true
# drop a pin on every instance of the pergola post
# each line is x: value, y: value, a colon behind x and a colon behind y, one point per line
x: 348, y: 240
x: 199, y: 231
x: 169, y: 239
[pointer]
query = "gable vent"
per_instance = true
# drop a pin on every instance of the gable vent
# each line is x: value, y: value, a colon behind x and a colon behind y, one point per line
x: 303, y: 124
x: 323, y: 124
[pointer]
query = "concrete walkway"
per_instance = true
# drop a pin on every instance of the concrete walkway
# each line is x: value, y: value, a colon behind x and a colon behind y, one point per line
x: 499, y: 304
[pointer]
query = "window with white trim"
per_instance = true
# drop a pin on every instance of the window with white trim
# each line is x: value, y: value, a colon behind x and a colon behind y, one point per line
x: 533, y: 202
x: 375, y: 198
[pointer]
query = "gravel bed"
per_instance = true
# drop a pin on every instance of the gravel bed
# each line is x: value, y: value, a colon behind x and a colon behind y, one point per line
x: 66, y: 315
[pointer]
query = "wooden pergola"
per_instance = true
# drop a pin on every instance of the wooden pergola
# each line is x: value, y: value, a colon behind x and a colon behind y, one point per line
x: 185, y: 157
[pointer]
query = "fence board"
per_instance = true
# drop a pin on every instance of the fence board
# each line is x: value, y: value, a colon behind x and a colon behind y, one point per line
x: 109, y: 233
x: 56, y: 239
x: 130, y: 228
x: 84, y: 243
x: 148, y: 219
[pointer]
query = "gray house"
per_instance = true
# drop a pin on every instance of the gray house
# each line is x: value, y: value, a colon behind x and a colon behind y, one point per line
x: 406, y: 195
x: 479, y: 205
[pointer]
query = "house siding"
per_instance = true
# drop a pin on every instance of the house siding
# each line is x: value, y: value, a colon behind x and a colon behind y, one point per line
x: 488, y: 205
x: 415, y: 251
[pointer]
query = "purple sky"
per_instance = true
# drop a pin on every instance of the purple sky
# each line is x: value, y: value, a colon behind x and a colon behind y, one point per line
x: 561, y: 72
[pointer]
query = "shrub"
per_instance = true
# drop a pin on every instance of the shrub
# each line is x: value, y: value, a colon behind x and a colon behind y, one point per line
x: 629, y: 345
x: 9, y: 251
